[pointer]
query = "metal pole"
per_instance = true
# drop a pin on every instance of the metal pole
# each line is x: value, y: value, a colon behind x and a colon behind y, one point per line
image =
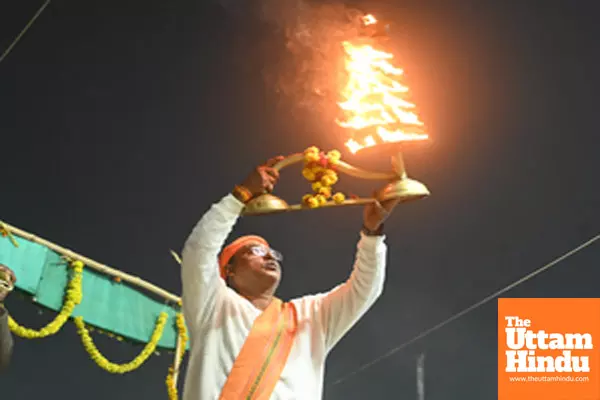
x: 421, y: 377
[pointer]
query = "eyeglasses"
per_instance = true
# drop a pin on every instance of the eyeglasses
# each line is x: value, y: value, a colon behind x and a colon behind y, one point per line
x: 262, y: 251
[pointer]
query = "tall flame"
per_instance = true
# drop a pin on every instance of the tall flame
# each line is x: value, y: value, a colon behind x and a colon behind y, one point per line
x: 374, y: 103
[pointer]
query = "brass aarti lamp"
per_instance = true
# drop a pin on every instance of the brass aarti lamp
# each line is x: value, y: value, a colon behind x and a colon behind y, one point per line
x: 398, y: 186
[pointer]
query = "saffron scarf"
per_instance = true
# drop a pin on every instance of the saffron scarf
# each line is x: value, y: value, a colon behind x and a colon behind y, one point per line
x: 258, y: 367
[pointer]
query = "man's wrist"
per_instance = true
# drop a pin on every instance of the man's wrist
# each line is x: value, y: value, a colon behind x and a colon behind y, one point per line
x: 242, y: 193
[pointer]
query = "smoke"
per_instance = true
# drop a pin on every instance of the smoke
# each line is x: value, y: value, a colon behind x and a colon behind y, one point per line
x: 313, y: 36
x: 313, y: 40
x: 307, y: 68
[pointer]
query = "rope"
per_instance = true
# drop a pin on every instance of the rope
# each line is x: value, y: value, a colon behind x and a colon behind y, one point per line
x: 31, y: 21
x: 469, y: 309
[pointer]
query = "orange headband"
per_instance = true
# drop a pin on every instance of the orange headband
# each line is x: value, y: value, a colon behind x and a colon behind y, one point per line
x: 234, y: 247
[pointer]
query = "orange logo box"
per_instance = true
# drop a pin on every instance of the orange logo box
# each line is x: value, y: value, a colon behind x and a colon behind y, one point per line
x: 548, y: 349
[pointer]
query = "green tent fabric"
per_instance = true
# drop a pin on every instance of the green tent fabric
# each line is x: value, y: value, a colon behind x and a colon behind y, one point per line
x: 110, y: 306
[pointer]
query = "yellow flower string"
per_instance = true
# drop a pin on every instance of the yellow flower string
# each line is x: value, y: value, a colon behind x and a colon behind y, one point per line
x: 170, y: 381
x: 73, y: 297
x: 113, y: 368
x: 171, y: 386
x: 320, y: 170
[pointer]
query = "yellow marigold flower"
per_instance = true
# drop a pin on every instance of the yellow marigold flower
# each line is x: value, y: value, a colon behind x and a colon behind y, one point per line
x: 329, y: 180
x: 316, y: 187
x: 312, y: 202
x: 325, y: 191
x: 321, y: 199
x: 317, y: 169
x: 334, y: 156
x: 312, y: 149
x: 309, y: 174
x: 311, y: 154
x: 331, y: 172
x: 306, y: 197
x: 339, y: 198
x: 171, y: 387
x: 311, y: 157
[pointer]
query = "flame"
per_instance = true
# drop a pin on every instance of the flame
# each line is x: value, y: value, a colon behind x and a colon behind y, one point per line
x: 369, y: 19
x: 373, y: 100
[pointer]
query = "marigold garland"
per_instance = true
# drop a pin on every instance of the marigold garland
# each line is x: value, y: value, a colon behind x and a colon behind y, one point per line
x: 170, y: 381
x: 171, y: 386
x: 114, y: 368
x: 320, y: 170
x: 73, y: 297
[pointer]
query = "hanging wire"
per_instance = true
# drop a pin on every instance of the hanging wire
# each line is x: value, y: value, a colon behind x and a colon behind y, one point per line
x: 31, y: 21
x: 469, y: 309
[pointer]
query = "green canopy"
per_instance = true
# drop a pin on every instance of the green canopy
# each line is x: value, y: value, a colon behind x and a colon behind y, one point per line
x: 108, y: 305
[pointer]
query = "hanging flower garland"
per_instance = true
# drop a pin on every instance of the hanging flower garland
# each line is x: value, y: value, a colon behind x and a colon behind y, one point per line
x: 320, y: 170
x: 114, y: 368
x: 171, y: 385
x: 73, y: 297
x: 183, y: 337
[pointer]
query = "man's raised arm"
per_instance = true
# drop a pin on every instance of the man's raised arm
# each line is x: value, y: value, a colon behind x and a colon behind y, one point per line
x: 342, y: 307
x: 200, y: 266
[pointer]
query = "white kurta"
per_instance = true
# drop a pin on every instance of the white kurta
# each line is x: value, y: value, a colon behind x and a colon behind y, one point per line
x: 219, y: 320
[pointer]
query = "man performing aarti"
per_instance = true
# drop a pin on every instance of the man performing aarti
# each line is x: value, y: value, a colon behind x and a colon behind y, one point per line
x: 246, y: 343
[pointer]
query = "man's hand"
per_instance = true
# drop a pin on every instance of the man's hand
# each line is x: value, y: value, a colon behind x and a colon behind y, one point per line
x: 376, y: 213
x: 4, y: 270
x: 263, y: 178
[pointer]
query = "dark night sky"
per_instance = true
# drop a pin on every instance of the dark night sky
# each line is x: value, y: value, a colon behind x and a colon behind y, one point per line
x: 122, y: 121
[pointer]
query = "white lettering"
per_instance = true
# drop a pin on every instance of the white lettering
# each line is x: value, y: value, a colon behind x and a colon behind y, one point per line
x: 527, y: 361
x: 518, y: 322
x: 579, y: 339
x: 518, y: 338
x: 522, y: 344
x: 515, y: 338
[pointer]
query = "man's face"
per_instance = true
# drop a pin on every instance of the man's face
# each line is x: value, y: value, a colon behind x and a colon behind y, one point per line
x: 7, y: 281
x: 255, y: 268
